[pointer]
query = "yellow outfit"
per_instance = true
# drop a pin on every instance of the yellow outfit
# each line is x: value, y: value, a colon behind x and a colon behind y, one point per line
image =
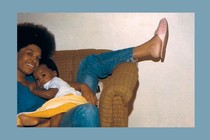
x: 55, y: 106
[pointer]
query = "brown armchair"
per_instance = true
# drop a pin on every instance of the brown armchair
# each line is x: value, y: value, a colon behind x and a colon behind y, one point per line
x: 117, y: 90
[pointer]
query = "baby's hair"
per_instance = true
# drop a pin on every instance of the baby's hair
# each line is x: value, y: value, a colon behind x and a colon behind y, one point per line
x: 50, y: 64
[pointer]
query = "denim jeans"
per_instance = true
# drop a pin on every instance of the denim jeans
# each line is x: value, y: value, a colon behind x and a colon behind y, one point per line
x: 85, y: 115
x: 99, y: 66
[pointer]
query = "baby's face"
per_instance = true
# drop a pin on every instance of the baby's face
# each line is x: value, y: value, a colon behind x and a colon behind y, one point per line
x: 43, y: 74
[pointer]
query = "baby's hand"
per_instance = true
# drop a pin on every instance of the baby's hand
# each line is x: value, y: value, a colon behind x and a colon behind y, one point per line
x: 32, y: 85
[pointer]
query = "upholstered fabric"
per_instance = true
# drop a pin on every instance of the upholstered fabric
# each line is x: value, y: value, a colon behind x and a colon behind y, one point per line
x: 117, y: 91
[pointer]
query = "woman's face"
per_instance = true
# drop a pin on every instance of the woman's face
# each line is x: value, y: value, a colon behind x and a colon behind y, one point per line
x: 28, y: 59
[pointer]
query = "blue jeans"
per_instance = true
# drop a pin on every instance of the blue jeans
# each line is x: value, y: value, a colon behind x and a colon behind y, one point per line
x: 99, y: 66
x: 85, y: 115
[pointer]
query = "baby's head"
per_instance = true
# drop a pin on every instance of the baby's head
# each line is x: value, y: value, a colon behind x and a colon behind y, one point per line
x: 46, y: 70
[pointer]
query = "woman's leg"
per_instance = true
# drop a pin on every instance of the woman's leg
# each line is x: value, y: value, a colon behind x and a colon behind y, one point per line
x: 98, y: 66
x: 85, y: 115
x: 150, y: 50
x: 94, y: 67
x: 155, y: 48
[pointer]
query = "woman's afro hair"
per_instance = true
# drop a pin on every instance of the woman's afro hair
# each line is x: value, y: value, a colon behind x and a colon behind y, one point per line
x: 29, y: 33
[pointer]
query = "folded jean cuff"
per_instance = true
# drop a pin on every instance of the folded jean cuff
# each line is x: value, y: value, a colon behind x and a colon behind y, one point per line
x: 134, y: 60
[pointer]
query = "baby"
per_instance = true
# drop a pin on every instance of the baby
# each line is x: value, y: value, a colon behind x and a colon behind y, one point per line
x: 48, y: 85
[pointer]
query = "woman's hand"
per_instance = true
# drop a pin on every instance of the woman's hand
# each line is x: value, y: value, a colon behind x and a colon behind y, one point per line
x: 88, y: 94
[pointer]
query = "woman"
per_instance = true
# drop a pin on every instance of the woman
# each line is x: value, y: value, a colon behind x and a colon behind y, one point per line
x: 90, y: 70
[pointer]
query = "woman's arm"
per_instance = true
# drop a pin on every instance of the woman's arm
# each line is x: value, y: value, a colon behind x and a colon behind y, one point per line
x: 86, y: 92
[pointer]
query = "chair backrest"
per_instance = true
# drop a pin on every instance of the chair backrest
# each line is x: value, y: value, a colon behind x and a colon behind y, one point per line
x: 68, y: 61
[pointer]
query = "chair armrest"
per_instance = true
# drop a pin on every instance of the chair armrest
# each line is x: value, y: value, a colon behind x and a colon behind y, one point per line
x: 117, y: 92
x: 122, y: 81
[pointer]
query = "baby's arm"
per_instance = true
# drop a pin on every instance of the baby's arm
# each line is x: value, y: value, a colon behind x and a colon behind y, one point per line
x: 46, y: 94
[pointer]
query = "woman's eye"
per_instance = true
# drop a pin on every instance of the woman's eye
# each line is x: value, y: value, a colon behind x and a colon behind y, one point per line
x: 30, y: 53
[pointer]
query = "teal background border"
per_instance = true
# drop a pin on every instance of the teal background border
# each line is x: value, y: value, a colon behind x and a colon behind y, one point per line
x: 8, y: 22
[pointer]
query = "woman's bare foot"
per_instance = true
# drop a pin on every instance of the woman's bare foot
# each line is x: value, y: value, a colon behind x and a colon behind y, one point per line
x: 151, y: 50
x: 28, y: 121
x: 155, y: 48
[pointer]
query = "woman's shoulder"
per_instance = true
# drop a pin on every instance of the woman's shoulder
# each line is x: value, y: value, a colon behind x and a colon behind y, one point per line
x: 30, y: 78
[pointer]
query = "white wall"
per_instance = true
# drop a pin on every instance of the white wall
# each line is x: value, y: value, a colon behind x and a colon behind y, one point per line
x: 165, y: 96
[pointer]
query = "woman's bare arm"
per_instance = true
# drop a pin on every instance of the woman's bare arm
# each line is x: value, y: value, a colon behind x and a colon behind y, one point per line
x: 86, y: 92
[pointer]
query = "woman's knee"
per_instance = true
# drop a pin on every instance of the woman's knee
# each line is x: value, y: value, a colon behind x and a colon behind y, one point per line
x: 87, y: 61
x: 91, y: 115
x: 90, y: 109
x: 85, y: 115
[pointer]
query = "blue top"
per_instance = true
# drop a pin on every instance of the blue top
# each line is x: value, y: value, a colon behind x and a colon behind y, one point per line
x: 27, y: 101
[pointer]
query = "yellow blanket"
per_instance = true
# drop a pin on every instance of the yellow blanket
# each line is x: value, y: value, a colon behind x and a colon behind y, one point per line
x: 55, y: 106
